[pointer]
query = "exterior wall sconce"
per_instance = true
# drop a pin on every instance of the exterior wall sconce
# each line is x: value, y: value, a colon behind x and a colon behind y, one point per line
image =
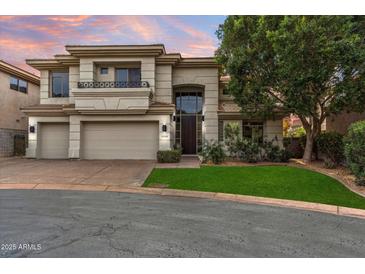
x: 174, y: 118
x: 164, y: 128
x: 32, y: 129
x: 202, y: 118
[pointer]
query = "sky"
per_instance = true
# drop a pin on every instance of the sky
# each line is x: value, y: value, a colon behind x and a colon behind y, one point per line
x: 32, y: 37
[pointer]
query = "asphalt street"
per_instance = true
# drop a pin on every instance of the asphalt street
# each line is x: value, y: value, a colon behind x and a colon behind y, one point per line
x: 54, y: 223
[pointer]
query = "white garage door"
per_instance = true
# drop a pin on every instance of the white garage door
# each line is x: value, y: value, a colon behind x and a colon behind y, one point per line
x: 120, y: 140
x: 54, y: 141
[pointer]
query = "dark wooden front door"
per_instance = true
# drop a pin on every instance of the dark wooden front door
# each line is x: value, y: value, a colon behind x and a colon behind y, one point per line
x: 188, y: 134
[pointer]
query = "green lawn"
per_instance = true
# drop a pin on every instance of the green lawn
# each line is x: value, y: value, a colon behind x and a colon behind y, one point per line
x: 267, y: 181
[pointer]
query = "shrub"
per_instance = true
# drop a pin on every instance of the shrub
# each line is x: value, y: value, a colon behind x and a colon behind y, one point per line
x: 169, y: 156
x: 285, y: 155
x: 328, y: 163
x: 294, y: 146
x: 355, y: 150
x: 331, y: 145
x: 274, y: 153
x: 213, y: 152
x: 232, y: 139
x: 271, y: 152
x: 297, y: 132
x: 248, y: 150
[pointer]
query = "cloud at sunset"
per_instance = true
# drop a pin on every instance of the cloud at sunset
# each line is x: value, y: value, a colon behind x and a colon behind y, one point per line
x: 23, y: 37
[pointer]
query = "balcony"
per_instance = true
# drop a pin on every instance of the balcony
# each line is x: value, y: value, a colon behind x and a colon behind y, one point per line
x: 115, y: 84
x: 112, y: 97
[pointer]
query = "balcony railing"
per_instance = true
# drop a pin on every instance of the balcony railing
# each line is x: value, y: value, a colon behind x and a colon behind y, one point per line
x: 116, y: 84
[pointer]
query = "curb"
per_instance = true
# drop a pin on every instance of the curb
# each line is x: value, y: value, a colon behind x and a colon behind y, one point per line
x: 317, y: 207
x: 329, y: 174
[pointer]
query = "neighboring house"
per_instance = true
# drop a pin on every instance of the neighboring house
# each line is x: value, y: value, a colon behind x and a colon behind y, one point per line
x: 342, y: 121
x: 338, y: 123
x: 128, y: 101
x: 18, y: 88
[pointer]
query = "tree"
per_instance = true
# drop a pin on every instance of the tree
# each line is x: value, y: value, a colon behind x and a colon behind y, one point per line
x: 311, y: 66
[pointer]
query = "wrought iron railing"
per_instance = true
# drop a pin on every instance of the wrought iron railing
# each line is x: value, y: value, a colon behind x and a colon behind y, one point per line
x: 115, y: 84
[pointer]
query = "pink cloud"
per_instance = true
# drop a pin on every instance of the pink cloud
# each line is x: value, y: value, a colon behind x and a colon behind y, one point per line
x: 24, y: 37
x: 6, y: 17
x: 69, y: 19
x: 197, y: 43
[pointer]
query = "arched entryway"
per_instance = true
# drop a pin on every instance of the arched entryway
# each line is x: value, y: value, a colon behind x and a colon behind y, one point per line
x: 189, y: 117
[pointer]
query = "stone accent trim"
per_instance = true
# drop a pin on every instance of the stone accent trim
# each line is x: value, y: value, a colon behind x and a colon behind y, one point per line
x: 7, y: 140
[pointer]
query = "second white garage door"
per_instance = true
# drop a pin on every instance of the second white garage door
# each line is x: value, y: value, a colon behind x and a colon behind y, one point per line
x: 119, y: 140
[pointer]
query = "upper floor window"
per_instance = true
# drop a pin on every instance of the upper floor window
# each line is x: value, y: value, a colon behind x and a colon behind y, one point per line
x: 103, y: 71
x: 128, y: 75
x: 18, y: 84
x: 59, y: 84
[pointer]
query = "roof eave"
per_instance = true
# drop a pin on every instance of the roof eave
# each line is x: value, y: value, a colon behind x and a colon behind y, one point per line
x: 115, y: 50
x: 12, y: 70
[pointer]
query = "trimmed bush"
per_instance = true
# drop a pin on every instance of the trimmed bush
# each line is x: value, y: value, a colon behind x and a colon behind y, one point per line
x: 274, y: 153
x: 232, y: 139
x: 169, y: 156
x: 213, y: 152
x: 355, y: 150
x: 329, y: 164
x: 285, y: 155
x: 330, y: 144
x: 294, y: 146
x: 248, y: 151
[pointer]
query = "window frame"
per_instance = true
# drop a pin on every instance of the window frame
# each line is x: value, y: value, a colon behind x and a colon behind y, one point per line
x: 104, y: 71
x: 128, y: 74
x: 26, y: 86
x: 17, y: 88
x: 252, y: 125
x: 51, y: 84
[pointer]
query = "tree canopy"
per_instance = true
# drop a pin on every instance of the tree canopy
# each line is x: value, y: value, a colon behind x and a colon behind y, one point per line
x: 311, y: 66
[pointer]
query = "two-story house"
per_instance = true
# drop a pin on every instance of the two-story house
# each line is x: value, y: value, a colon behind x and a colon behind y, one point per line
x: 18, y: 88
x: 129, y: 101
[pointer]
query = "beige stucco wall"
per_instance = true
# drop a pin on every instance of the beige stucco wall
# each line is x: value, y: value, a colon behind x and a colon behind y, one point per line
x: 164, y: 84
x: 273, y: 130
x: 127, y: 99
x: 75, y: 122
x: 74, y: 77
x: 341, y: 122
x: 208, y: 77
x: 11, y: 117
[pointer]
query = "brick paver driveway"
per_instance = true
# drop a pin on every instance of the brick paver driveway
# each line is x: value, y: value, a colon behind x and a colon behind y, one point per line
x: 79, y: 172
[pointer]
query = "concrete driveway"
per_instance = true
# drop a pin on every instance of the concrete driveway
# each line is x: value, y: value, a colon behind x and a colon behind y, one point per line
x: 51, y: 223
x: 81, y: 172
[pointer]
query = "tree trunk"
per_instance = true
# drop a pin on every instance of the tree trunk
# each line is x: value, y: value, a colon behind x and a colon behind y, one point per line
x: 307, y: 157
